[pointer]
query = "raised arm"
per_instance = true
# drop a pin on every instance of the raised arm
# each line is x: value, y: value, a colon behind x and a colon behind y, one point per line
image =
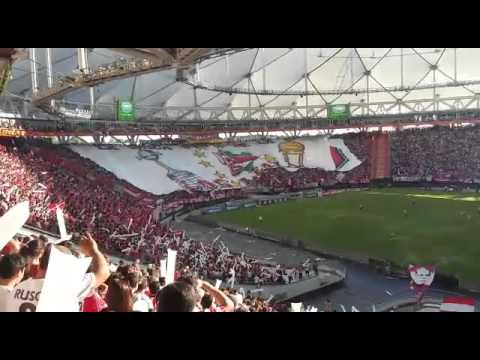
x: 220, y: 298
x: 89, y: 247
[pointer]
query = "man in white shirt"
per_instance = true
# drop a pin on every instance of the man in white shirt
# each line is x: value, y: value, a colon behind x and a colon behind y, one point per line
x: 12, y: 269
x: 25, y: 296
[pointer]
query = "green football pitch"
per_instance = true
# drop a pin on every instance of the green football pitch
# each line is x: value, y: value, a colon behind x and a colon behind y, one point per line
x: 406, y: 226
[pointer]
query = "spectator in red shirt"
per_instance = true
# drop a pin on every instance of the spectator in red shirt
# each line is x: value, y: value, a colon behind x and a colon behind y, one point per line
x: 94, y: 303
x: 12, y: 247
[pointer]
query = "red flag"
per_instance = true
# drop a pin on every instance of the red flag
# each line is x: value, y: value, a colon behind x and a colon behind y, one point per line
x: 458, y: 304
x: 53, y: 206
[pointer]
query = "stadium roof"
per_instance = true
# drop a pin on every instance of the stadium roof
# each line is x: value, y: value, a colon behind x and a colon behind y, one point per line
x: 253, y: 82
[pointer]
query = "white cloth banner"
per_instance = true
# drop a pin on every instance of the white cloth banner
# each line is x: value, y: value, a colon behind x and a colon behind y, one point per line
x: 316, y: 152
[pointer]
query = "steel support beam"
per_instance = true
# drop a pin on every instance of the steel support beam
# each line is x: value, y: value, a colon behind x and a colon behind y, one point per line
x: 455, y: 63
x: 50, y: 79
x: 306, y: 81
x: 152, y: 54
x: 368, y: 96
x: 82, y: 60
x: 401, y: 67
x: 33, y: 70
x: 48, y: 52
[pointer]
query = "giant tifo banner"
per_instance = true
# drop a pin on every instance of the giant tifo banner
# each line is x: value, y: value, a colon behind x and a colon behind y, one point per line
x: 216, y: 167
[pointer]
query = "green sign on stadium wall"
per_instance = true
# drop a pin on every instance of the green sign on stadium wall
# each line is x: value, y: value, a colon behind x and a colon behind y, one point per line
x: 126, y: 111
x: 338, y: 111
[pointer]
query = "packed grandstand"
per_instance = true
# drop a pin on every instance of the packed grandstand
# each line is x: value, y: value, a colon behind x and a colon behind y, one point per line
x: 121, y: 217
x: 121, y: 204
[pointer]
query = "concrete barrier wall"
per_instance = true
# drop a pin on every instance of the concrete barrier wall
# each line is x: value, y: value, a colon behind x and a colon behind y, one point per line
x: 386, y: 267
x: 331, y: 272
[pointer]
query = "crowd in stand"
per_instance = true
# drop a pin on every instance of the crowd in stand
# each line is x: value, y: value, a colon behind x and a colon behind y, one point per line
x: 127, y: 288
x: 120, y: 222
x: 437, y: 154
x: 358, y: 145
x: 120, y: 218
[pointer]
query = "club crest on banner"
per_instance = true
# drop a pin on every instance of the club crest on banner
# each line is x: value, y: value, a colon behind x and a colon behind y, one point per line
x: 293, y: 153
x: 421, y: 275
x: 422, y: 278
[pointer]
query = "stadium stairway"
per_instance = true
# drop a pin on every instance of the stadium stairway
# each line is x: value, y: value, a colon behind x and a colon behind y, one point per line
x: 380, y: 156
x: 372, y: 157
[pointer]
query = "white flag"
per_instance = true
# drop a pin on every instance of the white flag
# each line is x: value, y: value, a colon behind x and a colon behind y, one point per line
x: 163, y: 268
x: 216, y: 239
x: 232, y: 279
x: 62, y: 282
x: 296, y: 307
x: 171, y: 259
x: 218, y: 282
x: 61, y: 225
x: 12, y: 222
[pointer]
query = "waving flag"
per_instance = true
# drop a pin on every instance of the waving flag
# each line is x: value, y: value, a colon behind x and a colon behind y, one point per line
x: 422, y: 278
x: 422, y: 275
x: 338, y: 157
x: 458, y: 304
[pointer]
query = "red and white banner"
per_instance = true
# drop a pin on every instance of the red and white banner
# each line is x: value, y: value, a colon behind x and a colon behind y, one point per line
x: 458, y: 304
x: 422, y: 275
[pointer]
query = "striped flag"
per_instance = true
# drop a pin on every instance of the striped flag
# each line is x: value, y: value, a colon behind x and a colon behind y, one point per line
x: 458, y: 304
